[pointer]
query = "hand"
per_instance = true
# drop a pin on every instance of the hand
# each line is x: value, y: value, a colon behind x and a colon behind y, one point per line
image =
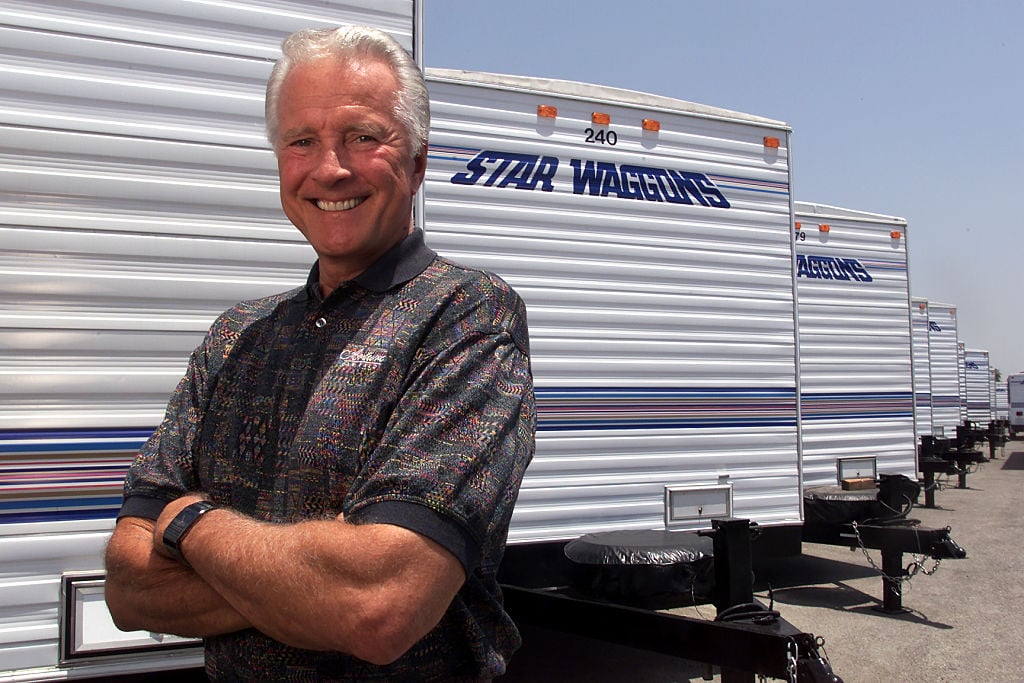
x: 167, y: 516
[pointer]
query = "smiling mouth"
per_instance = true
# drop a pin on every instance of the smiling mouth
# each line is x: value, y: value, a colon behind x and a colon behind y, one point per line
x: 325, y: 205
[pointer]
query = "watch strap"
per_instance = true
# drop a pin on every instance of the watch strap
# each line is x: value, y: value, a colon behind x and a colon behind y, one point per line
x: 182, y: 524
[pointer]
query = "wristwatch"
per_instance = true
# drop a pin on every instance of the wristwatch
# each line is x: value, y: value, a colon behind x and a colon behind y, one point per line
x: 181, y: 525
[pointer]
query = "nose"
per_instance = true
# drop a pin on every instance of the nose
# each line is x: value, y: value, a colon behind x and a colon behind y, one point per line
x: 331, y: 166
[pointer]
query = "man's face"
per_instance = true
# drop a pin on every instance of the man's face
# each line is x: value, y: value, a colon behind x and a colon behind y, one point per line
x: 347, y: 172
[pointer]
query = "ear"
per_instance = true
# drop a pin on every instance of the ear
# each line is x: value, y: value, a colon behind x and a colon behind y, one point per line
x: 419, y: 169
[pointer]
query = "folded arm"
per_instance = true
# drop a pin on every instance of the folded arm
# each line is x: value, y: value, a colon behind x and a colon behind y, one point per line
x: 148, y: 591
x: 370, y: 590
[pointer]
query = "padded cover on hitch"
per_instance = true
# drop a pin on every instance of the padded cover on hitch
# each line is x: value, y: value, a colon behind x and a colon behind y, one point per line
x: 833, y: 505
x: 631, y: 566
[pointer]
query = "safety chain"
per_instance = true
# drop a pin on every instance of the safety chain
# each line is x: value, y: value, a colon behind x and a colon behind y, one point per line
x: 792, y: 660
x: 911, y: 570
x: 918, y: 566
x: 940, y: 484
x: 792, y: 653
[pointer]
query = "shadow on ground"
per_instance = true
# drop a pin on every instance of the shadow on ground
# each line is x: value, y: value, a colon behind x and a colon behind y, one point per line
x: 1015, y: 461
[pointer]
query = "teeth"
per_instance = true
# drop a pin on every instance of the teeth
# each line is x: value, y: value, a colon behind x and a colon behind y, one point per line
x: 338, y: 206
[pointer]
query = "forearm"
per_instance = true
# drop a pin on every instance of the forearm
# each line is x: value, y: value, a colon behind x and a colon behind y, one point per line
x: 371, y: 590
x: 146, y: 591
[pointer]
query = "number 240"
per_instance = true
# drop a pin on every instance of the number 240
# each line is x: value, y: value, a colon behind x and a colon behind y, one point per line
x: 603, y: 137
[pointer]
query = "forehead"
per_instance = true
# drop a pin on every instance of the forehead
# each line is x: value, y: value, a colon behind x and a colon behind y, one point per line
x: 329, y: 83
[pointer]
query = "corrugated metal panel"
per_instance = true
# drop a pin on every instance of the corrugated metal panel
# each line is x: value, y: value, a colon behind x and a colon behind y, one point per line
x: 977, y: 385
x: 1002, y: 402
x: 922, y: 371
x: 991, y: 394
x: 138, y: 199
x: 962, y: 379
x: 138, y: 192
x: 662, y: 333
x: 856, y: 382
x: 944, y: 364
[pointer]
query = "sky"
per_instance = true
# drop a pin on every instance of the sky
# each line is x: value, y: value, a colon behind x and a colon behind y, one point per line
x: 907, y: 108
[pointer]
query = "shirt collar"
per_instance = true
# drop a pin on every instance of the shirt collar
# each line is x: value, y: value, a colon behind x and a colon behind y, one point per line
x: 398, y: 265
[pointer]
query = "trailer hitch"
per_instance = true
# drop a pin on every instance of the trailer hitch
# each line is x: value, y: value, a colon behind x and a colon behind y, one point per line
x: 894, y: 539
x: 947, y: 549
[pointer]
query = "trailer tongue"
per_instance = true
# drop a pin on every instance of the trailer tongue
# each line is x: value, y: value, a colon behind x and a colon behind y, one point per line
x: 745, y: 640
x: 877, y: 519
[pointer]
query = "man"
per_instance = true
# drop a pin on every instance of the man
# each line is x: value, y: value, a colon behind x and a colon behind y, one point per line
x: 329, y: 494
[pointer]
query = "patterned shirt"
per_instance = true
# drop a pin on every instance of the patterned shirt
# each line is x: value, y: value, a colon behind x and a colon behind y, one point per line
x: 404, y: 397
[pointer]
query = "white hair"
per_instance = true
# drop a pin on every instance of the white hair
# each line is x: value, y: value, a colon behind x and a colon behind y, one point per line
x: 412, y: 103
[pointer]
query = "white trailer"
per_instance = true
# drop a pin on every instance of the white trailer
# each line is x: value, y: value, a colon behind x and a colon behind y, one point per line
x: 856, y: 364
x: 1015, y: 403
x: 944, y: 365
x: 978, y: 386
x: 922, y: 370
x: 961, y: 351
x: 1002, y: 402
x: 651, y: 241
x: 993, y: 394
x: 139, y: 200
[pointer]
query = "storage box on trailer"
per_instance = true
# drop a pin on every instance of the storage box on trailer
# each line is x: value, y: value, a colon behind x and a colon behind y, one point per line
x: 139, y: 200
x: 854, y: 322
x: 651, y: 240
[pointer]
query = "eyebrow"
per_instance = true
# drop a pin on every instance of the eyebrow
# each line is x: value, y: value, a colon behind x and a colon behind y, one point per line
x: 295, y: 132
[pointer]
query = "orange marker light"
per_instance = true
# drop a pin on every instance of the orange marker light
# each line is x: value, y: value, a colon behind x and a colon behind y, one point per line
x: 895, y: 234
x: 771, y: 142
x: 798, y: 225
x: 600, y: 118
x: 651, y: 125
x: 546, y: 111
x: 824, y: 227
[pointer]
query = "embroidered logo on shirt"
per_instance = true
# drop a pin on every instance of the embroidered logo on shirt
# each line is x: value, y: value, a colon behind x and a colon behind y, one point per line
x: 362, y: 355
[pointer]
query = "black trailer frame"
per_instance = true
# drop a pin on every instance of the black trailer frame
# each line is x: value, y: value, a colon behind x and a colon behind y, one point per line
x: 745, y: 641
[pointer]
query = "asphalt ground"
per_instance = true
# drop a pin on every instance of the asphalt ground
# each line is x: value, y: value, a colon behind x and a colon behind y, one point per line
x: 963, y: 622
